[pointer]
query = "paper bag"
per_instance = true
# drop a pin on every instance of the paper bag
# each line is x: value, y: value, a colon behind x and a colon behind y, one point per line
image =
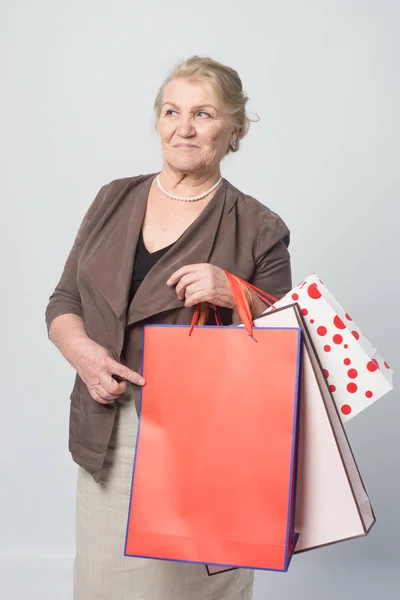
x: 332, y: 504
x: 357, y: 374
x: 216, y: 457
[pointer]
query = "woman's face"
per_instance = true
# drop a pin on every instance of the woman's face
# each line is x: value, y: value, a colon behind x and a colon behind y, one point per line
x: 194, y: 130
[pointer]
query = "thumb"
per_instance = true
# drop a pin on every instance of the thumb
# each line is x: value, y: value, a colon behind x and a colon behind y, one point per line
x: 126, y: 373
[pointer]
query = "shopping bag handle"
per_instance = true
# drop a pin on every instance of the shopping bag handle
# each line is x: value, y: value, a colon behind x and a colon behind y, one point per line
x: 238, y: 287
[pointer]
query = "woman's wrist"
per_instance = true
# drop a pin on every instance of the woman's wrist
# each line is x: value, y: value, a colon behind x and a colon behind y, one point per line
x: 68, y: 333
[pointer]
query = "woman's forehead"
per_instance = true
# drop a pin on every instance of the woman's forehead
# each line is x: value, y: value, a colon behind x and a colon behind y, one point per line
x: 196, y: 91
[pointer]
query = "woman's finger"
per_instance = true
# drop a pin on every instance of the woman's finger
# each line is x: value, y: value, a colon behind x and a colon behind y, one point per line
x: 176, y: 276
x: 117, y: 368
x: 197, y: 298
x: 112, y: 387
x: 194, y: 288
x: 184, y: 282
x: 105, y: 394
x: 96, y: 396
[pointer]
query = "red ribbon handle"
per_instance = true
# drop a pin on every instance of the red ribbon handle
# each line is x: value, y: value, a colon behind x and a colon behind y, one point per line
x: 237, y: 286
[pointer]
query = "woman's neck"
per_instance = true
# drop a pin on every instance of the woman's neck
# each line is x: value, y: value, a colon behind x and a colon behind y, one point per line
x: 187, y: 184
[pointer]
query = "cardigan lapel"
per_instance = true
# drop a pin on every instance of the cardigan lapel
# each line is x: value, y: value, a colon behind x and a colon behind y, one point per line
x: 109, y: 253
x: 154, y: 296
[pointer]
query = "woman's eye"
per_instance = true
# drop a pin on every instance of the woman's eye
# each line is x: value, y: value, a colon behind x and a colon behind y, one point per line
x: 201, y: 112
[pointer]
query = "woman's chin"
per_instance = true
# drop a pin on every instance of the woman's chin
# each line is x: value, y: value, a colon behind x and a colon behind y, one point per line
x: 185, y: 163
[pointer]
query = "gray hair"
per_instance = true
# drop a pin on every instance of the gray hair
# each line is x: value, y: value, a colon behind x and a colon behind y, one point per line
x: 223, y: 81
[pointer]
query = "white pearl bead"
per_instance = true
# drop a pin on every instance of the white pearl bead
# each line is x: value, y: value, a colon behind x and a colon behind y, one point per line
x: 182, y: 198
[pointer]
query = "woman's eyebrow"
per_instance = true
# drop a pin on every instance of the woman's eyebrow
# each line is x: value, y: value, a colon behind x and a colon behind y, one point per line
x: 194, y: 107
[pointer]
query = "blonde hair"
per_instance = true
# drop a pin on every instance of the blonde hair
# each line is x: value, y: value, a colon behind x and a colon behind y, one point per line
x: 223, y: 81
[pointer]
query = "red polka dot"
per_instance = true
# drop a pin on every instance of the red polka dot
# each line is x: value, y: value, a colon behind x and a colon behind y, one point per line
x: 369, y: 394
x: 348, y: 317
x: 371, y: 366
x: 346, y: 409
x: 376, y: 362
x: 326, y: 373
x: 304, y: 312
x: 332, y: 388
x: 339, y: 323
x: 313, y: 291
x: 322, y: 282
x: 352, y: 388
x: 347, y: 361
x: 352, y: 373
x: 337, y: 339
x: 386, y: 365
x: 345, y: 346
x: 356, y: 334
x: 311, y: 320
x: 322, y: 330
x: 327, y: 348
x: 295, y: 297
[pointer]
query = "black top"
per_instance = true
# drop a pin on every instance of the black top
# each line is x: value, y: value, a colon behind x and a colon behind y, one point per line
x: 144, y: 261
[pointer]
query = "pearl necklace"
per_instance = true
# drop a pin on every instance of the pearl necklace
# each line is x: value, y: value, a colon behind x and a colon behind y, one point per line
x: 182, y: 198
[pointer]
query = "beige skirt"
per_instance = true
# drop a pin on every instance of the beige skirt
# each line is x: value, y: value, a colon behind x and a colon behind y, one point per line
x: 101, y: 571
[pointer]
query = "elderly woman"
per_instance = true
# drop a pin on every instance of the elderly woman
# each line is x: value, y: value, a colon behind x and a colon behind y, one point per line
x: 149, y: 249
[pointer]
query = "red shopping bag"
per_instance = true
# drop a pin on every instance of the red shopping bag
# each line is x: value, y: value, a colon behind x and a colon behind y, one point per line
x: 216, y: 455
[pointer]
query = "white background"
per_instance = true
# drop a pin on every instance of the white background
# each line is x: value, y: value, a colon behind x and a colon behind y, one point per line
x: 78, y: 84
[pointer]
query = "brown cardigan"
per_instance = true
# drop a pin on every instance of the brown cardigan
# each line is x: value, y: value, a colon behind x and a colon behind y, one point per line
x: 234, y: 232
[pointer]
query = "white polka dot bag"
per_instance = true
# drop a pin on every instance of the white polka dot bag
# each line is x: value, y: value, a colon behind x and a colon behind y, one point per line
x: 356, y: 373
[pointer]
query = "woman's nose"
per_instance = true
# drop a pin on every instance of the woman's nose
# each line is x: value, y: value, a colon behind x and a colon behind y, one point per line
x: 185, y: 126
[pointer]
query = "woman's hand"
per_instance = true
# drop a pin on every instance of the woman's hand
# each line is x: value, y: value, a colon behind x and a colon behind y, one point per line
x: 202, y: 283
x: 96, y: 368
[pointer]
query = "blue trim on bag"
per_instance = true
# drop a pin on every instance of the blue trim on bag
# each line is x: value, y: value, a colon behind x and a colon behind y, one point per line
x: 290, y: 535
x: 295, y: 536
x: 298, y: 427
x: 216, y: 327
x: 135, y: 451
x: 204, y: 564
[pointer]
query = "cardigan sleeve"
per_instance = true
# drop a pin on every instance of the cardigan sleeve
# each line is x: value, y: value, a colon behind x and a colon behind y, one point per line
x: 65, y: 298
x: 273, y: 275
x: 272, y: 272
